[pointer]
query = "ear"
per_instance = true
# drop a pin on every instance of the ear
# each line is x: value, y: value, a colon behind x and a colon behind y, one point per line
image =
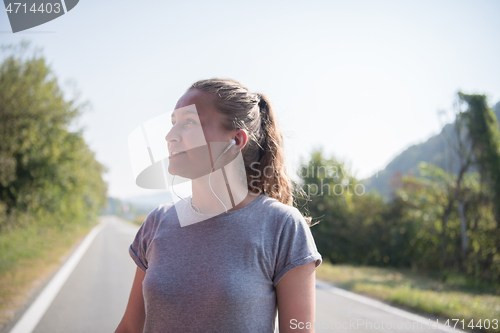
x: 241, y: 138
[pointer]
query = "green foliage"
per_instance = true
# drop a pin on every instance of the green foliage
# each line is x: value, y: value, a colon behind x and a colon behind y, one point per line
x: 419, y: 228
x: 356, y: 226
x: 440, y: 245
x: 320, y: 179
x: 485, y: 139
x: 48, y: 175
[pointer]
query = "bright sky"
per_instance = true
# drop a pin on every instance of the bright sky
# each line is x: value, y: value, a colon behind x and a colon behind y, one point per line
x: 363, y: 79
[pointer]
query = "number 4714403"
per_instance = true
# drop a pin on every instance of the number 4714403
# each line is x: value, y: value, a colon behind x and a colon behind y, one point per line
x: 481, y: 323
x: 43, y: 8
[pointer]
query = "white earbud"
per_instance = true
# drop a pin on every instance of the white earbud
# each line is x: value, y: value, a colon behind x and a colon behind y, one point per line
x: 228, y: 147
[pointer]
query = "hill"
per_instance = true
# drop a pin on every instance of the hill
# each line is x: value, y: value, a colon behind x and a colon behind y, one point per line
x: 435, y: 150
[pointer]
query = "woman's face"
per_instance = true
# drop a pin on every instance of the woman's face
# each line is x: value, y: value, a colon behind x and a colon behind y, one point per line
x: 195, y: 122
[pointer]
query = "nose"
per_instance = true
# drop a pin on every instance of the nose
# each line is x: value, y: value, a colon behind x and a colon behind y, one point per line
x: 173, y: 135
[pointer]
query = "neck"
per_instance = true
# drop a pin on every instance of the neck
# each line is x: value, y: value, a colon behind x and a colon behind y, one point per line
x: 232, y: 195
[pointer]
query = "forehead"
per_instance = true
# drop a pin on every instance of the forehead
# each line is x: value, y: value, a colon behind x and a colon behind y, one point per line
x: 186, y: 110
x: 195, y: 101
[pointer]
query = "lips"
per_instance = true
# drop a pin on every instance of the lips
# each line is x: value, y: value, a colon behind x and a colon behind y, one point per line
x: 176, y: 153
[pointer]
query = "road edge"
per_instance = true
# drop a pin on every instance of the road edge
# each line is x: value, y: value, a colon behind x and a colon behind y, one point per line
x: 32, y: 313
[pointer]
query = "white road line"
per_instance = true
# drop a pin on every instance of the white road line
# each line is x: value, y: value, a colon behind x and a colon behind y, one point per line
x: 32, y: 316
x: 387, y: 308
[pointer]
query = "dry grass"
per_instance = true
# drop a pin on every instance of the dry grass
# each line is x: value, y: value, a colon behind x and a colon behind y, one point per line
x: 452, y: 298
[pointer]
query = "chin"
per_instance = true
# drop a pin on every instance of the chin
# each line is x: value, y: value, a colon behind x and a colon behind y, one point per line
x: 188, y: 172
x: 174, y: 171
x: 179, y: 172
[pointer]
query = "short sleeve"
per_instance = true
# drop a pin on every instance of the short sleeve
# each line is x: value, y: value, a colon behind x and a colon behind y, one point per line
x: 139, y: 246
x: 296, y: 246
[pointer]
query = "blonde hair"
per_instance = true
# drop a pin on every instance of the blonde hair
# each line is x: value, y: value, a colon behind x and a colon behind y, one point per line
x: 253, y: 112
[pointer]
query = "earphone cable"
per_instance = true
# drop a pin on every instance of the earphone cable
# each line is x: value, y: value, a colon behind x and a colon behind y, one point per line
x: 209, y: 184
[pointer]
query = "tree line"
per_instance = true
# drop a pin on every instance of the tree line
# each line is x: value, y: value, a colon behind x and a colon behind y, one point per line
x: 438, y: 220
x: 48, y: 174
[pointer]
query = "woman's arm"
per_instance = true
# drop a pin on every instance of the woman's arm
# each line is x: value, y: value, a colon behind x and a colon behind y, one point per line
x: 135, y: 315
x: 296, y: 299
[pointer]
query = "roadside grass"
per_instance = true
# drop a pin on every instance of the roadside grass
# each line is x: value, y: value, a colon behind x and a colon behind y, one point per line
x: 29, y: 256
x: 442, y: 294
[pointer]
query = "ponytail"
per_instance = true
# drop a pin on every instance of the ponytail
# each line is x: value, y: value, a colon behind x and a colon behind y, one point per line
x: 271, y: 177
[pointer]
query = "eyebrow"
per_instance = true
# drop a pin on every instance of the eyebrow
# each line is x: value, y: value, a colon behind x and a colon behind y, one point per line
x: 186, y: 112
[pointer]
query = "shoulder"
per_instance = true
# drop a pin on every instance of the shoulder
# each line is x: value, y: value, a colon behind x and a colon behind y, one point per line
x: 279, y: 207
x: 158, y: 214
x: 283, y: 212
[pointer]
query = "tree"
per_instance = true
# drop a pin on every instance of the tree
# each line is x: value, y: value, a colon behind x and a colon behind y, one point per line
x: 46, y: 171
x: 355, y: 226
x: 484, y: 138
x: 428, y: 198
x: 462, y: 150
x: 329, y: 188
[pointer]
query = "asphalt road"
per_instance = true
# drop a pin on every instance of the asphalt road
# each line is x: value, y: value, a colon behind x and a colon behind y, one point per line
x: 336, y: 313
x: 94, y: 297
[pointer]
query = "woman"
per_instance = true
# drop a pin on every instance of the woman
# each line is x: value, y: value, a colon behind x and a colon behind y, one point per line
x: 243, y: 260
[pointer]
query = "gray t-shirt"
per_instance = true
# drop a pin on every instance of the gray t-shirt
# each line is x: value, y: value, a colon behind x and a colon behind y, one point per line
x: 219, y: 275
